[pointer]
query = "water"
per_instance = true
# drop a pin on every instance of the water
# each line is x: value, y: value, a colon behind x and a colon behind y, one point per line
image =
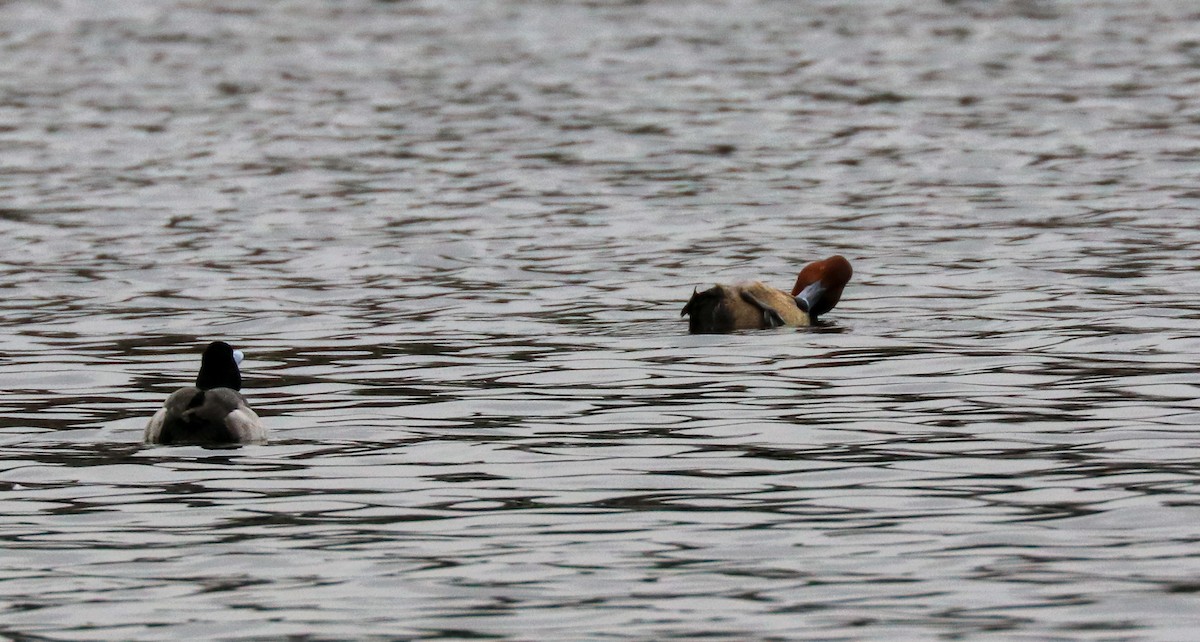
x: 454, y: 240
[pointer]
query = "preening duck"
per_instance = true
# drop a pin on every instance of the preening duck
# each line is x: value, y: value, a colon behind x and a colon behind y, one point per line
x: 211, y: 412
x: 754, y: 305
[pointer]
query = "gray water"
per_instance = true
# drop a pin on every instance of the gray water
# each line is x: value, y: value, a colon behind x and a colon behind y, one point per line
x: 454, y: 240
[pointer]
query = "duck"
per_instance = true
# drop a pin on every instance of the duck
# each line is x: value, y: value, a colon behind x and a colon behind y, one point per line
x: 753, y: 305
x: 213, y: 411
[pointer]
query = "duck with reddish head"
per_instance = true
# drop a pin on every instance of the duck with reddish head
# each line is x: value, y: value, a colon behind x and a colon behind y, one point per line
x: 754, y: 305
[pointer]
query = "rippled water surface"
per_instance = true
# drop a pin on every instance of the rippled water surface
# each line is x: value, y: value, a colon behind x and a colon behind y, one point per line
x: 454, y: 240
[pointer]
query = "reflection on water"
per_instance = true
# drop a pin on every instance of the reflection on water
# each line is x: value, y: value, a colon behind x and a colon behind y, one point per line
x: 454, y: 242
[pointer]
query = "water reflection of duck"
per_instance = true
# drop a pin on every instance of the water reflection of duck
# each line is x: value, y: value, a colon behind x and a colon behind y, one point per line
x: 754, y: 305
x: 212, y: 411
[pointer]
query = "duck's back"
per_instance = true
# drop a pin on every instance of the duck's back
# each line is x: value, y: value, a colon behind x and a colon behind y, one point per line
x: 195, y: 416
x: 745, y: 306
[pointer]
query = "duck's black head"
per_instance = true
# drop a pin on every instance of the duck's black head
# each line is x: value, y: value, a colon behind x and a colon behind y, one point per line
x: 219, y: 367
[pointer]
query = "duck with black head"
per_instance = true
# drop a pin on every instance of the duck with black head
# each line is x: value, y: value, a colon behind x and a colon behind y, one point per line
x: 213, y: 411
x: 754, y: 305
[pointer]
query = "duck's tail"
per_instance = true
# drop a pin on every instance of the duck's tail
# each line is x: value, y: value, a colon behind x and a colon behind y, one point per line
x: 707, y: 312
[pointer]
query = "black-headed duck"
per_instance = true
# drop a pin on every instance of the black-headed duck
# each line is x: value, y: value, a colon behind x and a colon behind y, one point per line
x: 211, y: 412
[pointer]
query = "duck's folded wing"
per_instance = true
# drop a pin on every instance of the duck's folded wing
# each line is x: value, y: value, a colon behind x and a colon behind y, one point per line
x: 238, y: 418
x: 769, y: 316
x: 171, y: 411
x: 245, y: 426
x: 775, y: 307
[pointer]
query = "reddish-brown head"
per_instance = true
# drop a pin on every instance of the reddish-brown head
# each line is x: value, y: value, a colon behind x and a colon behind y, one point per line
x: 820, y: 284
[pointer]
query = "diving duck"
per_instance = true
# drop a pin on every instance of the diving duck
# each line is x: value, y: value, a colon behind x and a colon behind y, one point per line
x: 211, y: 412
x: 754, y: 305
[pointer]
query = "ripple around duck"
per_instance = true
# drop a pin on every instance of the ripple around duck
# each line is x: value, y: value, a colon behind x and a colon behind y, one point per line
x: 454, y: 246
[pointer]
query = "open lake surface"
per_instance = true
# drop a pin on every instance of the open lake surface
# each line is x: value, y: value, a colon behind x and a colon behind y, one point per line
x: 454, y: 239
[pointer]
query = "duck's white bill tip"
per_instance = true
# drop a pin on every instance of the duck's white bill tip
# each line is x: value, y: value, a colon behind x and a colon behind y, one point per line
x: 238, y: 355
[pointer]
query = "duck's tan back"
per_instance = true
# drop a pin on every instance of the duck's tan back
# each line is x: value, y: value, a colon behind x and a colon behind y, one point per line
x: 745, y: 306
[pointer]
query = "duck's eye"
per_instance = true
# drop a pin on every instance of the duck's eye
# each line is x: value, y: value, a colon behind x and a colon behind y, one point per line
x: 238, y: 356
